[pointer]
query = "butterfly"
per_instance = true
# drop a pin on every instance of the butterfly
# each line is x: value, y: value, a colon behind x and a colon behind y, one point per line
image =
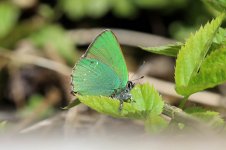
x: 102, y: 70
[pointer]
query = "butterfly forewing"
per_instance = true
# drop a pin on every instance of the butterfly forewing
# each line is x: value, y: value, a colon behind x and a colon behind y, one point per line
x: 102, y: 69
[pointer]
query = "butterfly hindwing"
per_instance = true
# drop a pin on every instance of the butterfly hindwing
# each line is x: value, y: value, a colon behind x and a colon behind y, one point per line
x: 102, y: 69
x: 94, y: 78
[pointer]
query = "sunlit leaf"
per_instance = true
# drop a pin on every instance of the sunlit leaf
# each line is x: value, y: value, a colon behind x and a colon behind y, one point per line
x: 212, y: 71
x: 107, y: 105
x: 192, y: 55
x: 168, y: 50
x: 147, y: 102
x: 220, y: 37
x: 147, y: 99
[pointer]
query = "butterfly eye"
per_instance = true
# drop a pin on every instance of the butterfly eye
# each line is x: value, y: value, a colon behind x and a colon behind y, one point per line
x: 130, y: 85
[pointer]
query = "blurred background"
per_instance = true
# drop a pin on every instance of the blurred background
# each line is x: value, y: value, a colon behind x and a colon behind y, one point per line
x: 40, y: 41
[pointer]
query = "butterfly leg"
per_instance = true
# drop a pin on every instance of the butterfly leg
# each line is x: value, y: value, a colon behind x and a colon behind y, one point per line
x: 120, y: 105
x: 132, y: 100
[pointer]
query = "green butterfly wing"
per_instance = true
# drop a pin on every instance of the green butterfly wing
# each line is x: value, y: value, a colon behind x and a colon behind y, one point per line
x: 102, y: 69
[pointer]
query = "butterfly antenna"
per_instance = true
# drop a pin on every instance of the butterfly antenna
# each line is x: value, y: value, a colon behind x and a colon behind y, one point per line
x: 138, y: 70
x: 138, y: 78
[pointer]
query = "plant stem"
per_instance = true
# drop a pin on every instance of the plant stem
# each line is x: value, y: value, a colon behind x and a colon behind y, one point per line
x: 180, y: 116
x: 182, y: 102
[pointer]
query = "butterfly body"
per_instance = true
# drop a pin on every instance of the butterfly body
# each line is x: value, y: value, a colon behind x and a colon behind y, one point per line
x: 102, y: 70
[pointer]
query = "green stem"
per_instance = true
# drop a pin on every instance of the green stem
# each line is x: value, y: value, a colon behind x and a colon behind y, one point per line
x: 182, y: 102
x: 180, y: 116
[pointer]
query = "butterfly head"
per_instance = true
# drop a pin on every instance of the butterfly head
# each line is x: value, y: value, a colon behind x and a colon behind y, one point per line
x: 130, y: 85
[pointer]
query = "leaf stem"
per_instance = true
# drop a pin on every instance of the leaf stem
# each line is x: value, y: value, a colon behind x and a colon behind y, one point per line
x: 183, y: 101
x: 180, y: 116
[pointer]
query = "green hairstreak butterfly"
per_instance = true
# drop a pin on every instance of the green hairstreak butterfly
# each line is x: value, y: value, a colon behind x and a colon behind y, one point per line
x: 102, y: 70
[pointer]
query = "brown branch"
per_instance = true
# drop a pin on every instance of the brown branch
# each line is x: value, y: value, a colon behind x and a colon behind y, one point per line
x: 125, y: 37
x: 24, y: 58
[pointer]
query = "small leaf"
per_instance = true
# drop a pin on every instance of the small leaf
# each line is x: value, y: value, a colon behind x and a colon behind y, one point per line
x: 168, y: 50
x: 123, y: 8
x: 55, y: 37
x: 74, y: 9
x: 77, y: 9
x: 220, y: 37
x: 72, y: 104
x: 219, y: 40
x: 211, y: 117
x: 9, y: 15
x: 147, y: 99
x: 97, y: 9
x: 192, y: 55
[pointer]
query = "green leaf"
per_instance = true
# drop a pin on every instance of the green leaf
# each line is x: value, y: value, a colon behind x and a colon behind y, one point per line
x: 211, y: 117
x: 9, y: 15
x: 54, y: 36
x: 192, y: 55
x: 46, y: 11
x: 123, y: 8
x: 181, y: 31
x: 74, y: 9
x: 97, y: 9
x: 147, y: 103
x: 107, y: 105
x: 219, y: 5
x: 161, y: 4
x: 212, y: 71
x: 72, y: 104
x: 168, y: 50
x: 173, y: 49
x: 147, y: 99
x: 219, y: 40
x: 77, y: 9
x: 155, y: 124
x: 220, y: 37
